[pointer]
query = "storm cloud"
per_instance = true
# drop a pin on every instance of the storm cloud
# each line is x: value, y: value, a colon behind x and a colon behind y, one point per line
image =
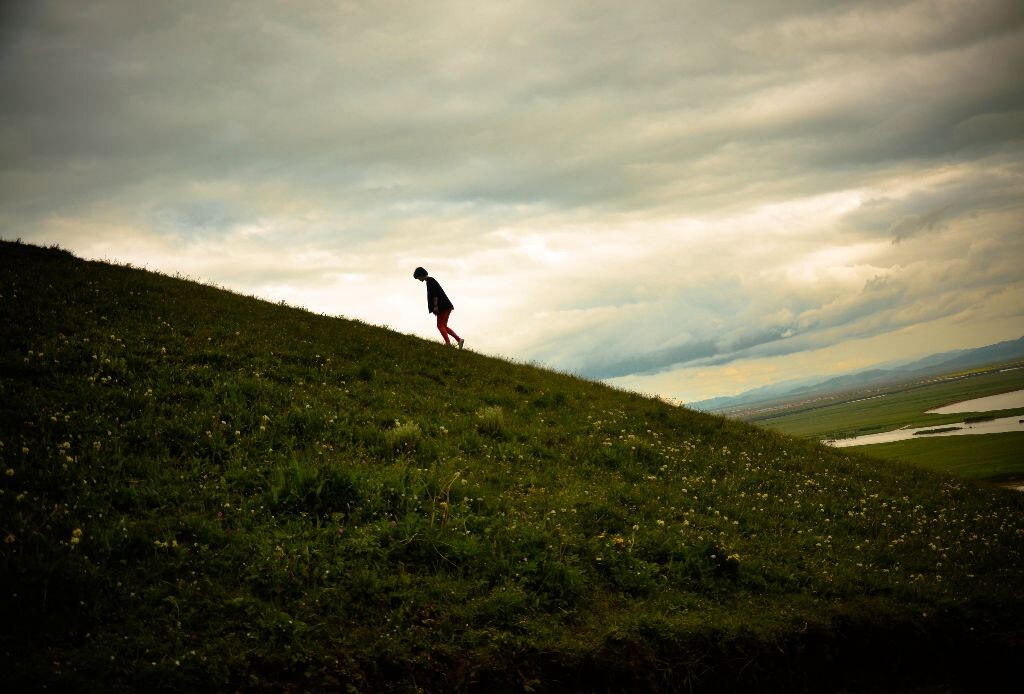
x: 627, y: 191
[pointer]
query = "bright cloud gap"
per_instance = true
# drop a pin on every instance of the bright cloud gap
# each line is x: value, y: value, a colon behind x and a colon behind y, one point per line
x: 669, y: 197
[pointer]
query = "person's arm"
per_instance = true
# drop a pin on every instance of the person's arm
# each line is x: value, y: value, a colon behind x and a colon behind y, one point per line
x: 432, y: 295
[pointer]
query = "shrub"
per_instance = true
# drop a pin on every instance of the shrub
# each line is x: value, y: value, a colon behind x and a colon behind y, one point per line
x: 403, y: 438
x: 556, y: 400
x: 312, y: 488
x: 491, y: 421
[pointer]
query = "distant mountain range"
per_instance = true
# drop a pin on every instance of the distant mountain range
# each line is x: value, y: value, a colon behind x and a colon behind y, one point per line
x: 935, y: 364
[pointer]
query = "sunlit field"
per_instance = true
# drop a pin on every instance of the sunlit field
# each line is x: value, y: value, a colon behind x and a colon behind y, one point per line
x: 991, y: 457
x: 994, y: 457
x: 201, y: 490
x: 903, y: 407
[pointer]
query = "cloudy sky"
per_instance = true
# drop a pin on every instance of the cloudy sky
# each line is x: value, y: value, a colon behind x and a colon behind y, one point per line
x: 687, y: 198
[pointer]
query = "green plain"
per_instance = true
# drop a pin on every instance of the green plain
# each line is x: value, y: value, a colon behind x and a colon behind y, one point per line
x: 899, y: 408
x: 992, y: 457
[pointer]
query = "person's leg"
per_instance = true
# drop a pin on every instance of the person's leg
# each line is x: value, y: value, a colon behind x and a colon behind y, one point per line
x: 450, y: 331
x: 442, y: 326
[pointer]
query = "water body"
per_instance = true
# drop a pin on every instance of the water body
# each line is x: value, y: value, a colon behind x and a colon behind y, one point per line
x: 1003, y: 401
x: 995, y: 426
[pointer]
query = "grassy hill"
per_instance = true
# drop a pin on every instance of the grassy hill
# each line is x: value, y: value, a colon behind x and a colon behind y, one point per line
x: 201, y: 490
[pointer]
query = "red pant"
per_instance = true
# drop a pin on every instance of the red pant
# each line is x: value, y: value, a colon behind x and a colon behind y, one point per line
x: 442, y: 326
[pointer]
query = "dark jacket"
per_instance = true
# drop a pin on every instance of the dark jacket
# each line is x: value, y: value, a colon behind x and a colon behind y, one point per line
x: 434, y: 291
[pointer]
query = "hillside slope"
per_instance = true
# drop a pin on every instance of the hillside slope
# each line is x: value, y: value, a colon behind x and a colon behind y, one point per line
x: 206, y: 491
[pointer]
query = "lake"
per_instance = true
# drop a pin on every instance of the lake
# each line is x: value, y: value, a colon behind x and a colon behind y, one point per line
x: 1003, y: 401
x: 995, y: 426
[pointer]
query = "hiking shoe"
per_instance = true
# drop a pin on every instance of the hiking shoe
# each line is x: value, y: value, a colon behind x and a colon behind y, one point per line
x: 461, y: 342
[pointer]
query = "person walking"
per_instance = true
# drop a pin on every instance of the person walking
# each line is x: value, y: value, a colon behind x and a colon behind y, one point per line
x: 439, y: 304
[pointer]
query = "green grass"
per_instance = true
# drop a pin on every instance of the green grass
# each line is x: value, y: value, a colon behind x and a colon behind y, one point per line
x: 201, y: 490
x: 992, y: 457
x: 906, y: 407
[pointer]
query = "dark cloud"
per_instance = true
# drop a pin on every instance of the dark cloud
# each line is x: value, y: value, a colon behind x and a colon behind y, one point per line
x: 933, y: 207
x: 564, y: 104
x: 948, y: 264
x: 915, y: 224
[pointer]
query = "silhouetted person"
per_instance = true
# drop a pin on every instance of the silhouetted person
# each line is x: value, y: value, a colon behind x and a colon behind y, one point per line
x: 439, y: 304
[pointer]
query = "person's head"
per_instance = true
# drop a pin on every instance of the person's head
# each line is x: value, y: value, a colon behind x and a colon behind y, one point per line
x: 420, y: 274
